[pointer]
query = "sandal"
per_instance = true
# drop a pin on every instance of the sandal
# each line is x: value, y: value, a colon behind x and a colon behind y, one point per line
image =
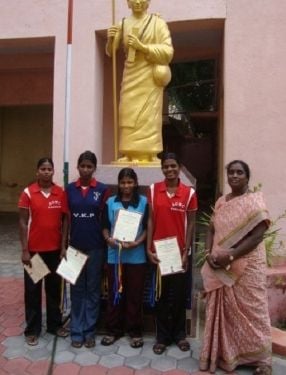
x: 76, y: 344
x: 108, y: 340
x: 263, y: 370
x: 136, y: 342
x: 62, y: 332
x: 183, y: 345
x: 32, y: 340
x: 89, y: 343
x: 159, y: 348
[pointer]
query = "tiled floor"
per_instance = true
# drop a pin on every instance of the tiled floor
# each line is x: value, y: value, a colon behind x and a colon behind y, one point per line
x: 17, y: 358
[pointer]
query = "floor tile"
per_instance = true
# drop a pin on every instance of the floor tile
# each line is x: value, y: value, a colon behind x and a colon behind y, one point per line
x: 137, y: 362
x: 177, y: 372
x: 86, y: 358
x: 38, y: 367
x: 63, y: 357
x: 67, y: 369
x: 122, y: 370
x: 12, y: 331
x: 147, y: 371
x: 164, y: 364
x: 93, y: 370
x: 188, y: 364
x: 112, y: 360
x: 14, y: 366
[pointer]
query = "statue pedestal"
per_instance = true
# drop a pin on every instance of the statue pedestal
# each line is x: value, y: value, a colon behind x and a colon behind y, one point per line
x: 147, y: 175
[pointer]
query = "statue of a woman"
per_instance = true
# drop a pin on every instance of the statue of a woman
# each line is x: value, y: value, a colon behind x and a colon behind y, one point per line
x: 148, y: 47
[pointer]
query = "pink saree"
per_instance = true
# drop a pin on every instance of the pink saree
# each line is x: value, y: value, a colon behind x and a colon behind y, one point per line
x: 237, y: 327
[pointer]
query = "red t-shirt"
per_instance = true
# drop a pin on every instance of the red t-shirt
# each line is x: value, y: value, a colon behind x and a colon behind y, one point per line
x: 45, y: 224
x: 170, y: 212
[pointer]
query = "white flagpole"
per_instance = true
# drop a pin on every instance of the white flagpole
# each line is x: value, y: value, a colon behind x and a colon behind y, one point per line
x: 68, y: 92
x: 114, y: 87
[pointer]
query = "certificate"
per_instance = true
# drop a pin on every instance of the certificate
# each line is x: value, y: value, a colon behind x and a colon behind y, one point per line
x: 70, y: 268
x: 38, y: 270
x: 126, y: 225
x: 169, y: 254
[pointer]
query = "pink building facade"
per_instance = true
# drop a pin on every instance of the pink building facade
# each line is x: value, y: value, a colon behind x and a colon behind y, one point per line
x: 246, y: 38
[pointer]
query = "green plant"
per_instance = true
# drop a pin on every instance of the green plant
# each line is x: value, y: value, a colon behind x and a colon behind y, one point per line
x: 202, y: 225
x: 272, y: 240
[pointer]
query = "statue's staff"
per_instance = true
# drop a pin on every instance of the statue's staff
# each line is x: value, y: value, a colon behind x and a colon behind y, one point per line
x: 114, y: 88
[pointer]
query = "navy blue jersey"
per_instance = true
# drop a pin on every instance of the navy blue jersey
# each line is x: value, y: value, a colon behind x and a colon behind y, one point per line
x: 86, y: 214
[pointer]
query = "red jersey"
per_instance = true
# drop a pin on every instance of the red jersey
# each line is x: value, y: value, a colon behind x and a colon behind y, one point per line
x: 45, y: 225
x: 170, y: 211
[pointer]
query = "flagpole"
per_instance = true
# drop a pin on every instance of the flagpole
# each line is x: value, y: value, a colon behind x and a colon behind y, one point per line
x: 68, y: 91
x: 114, y: 87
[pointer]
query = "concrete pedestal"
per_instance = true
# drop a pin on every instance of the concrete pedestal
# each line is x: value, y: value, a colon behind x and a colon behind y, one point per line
x: 147, y: 175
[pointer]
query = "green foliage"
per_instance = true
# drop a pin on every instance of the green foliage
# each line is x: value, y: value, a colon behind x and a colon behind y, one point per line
x: 257, y: 187
x: 272, y: 240
x: 203, y: 222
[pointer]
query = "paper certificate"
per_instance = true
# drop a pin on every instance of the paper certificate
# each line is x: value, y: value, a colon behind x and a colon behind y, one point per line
x: 38, y: 270
x: 168, y: 252
x: 126, y: 225
x: 70, y: 268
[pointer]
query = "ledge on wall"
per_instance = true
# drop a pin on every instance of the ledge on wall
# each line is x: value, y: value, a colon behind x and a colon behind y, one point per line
x: 278, y: 341
x: 276, y: 286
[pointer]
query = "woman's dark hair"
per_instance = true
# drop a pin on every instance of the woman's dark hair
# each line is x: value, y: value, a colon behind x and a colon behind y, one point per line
x: 129, y: 172
x: 45, y: 160
x: 169, y: 155
x: 87, y: 155
x: 244, y: 165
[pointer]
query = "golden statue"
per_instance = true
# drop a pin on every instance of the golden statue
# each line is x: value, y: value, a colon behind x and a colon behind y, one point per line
x: 148, y: 48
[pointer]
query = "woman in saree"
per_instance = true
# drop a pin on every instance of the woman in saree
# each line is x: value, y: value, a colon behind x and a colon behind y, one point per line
x: 237, y: 327
x: 148, y: 47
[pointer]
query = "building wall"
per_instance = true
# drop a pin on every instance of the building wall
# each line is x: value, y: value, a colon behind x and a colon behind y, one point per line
x: 255, y: 95
x: 40, y: 18
x: 253, y: 74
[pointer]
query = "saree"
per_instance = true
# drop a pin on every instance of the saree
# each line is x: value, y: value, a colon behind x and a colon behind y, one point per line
x: 141, y: 96
x: 237, y: 326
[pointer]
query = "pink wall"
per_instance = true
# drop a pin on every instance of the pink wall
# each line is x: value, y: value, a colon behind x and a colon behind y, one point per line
x: 255, y: 95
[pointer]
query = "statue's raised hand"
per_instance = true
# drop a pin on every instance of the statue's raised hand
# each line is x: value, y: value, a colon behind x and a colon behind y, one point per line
x: 135, y: 43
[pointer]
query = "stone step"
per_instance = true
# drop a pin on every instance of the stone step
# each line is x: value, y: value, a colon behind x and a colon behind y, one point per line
x: 278, y: 341
x: 276, y: 286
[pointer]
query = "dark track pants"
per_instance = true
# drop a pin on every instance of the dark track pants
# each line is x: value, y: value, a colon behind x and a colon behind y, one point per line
x: 33, y: 297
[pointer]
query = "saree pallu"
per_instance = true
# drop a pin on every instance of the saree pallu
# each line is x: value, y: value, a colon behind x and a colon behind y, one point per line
x: 237, y: 327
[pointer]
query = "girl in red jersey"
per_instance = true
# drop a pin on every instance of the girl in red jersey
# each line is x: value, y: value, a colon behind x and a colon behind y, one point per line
x: 172, y: 213
x: 43, y: 226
